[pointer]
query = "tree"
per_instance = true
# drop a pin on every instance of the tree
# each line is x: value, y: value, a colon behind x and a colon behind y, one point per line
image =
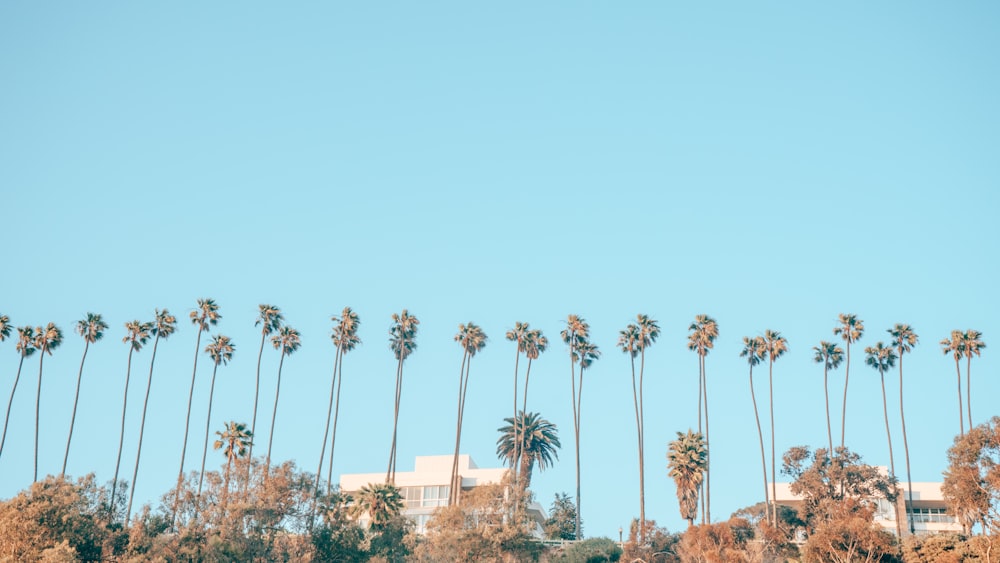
x: 776, y: 346
x: 345, y: 338
x: 532, y: 439
x: 971, y: 485
x: 136, y: 335
x: 755, y: 350
x: 593, y: 550
x: 288, y: 340
x: 204, y: 316
x: 576, y: 335
x: 380, y: 502
x: 972, y: 345
x: 163, y: 326
x: 402, y: 342
x: 235, y: 443
x: 46, y: 340
x: 270, y: 320
x: 91, y: 328
x: 4, y: 327
x: 704, y: 331
x: 830, y: 355
x: 954, y: 346
x: 561, y: 523
x: 687, y: 458
x: 472, y: 339
x: 851, y: 329
x: 25, y: 347
x: 882, y: 358
x: 905, y: 339
x: 221, y: 350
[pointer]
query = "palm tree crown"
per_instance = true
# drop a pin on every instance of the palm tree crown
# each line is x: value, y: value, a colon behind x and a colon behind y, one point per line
x: 828, y: 354
x: 269, y: 318
x: 164, y: 324
x: 4, y: 327
x: 220, y: 349
x: 25, y: 341
x: 137, y: 334
x: 687, y: 457
x: 287, y: 340
x: 91, y: 328
x: 851, y: 328
x: 403, y: 334
x: 380, y: 501
x: 533, y: 438
x: 206, y: 314
x: 345, y: 330
x: 48, y: 339
x: 234, y: 440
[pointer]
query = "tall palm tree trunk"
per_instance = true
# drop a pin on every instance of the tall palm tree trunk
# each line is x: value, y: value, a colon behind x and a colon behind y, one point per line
x: 274, y: 417
x: 760, y: 438
x: 906, y: 448
x: 225, y: 485
x: 208, y: 425
x: 638, y: 437
x: 336, y: 416
x: 961, y: 410
x: 843, y: 410
x: 517, y: 445
x: 256, y: 398
x: 76, y: 401
x: 462, y: 381
x: 10, y: 403
x: 121, y: 436
x: 329, y: 415
x: 968, y: 386
x: 142, y: 428
x: 390, y: 474
x: 579, y: 398
x: 774, y: 486
x: 38, y: 404
x: 826, y: 398
x: 708, y: 457
x: 642, y: 449
x: 576, y: 433
x: 892, y: 464
x: 187, y: 427
x: 527, y: 374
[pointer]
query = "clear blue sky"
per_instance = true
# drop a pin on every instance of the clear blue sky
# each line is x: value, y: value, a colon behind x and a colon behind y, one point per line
x: 771, y: 164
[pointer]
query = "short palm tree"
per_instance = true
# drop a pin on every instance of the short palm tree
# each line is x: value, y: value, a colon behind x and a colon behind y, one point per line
x: 704, y: 331
x: 472, y: 339
x: 345, y: 338
x: 905, y: 339
x: 830, y: 355
x: 954, y: 346
x: 755, y: 350
x: 381, y: 502
x: 25, y: 347
x: 235, y: 443
x: 581, y: 351
x: 270, y: 319
x: 46, y: 340
x: 402, y: 342
x: 91, y: 328
x: 206, y: 315
x: 163, y: 326
x: 776, y: 346
x: 287, y: 341
x: 687, y: 459
x: 851, y: 329
x: 539, y: 442
x: 972, y: 345
x: 221, y: 350
x: 136, y: 335
x: 882, y: 358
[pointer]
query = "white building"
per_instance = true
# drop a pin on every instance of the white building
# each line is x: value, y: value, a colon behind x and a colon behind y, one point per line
x: 426, y: 487
x: 930, y: 513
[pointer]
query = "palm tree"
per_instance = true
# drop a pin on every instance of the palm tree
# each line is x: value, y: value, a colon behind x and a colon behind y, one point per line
x: 270, y: 320
x: 236, y: 441
x: 25, y: 347
x: 972, y: 345
x: 221, y: 350
x: 288, y: 340
x: 91, y: 328
x: 204, y: 316
x: 472, y: 339
x: 830, y: 355
x: 46, y: 340
x: 539, y: 440
x: 954, y: 345
x: 851, y: 329
x: 776, y: 346
x: 576, y: 335
x: 704, y: 331
x: 518, y: 335
x: 4, y: 327
x: 402, y: 342
x: 345, y: 338
x: 164, y: 325
x: 904, y: 338
x: 534, y: 344
x: 882, y: 358
x: 755, y: 350
x: 136, y: 335
x: 382, y: 502
x: 687, y: 461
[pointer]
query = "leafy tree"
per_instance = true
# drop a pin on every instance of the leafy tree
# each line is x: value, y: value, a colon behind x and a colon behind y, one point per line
x: 163, y: 326
x: 905, y: 339
x: 287, y: 340
x: 687, y: 457
x: 954, y: 347
x: 539, y: 440
x: 830, y: 355
x: 971, y: 485
x: 731, y: 541
x: 136, y: 335
x: 46, y: 340
x: 91, y: 328
x: 942, y: 547
x: 472, y: 339
x: 755, y: 350
x: 972, y: 345
x: 776, y: 346
x: 345, y: 338
x: 851, y: 329
x: 704, y: 331
x: 270, y: 319
x: 592, y: 550
x: 402, y: 342
x: 576, y: 335
x: 882, y: 358
x: 221, y: 350
x: 561, y: 523
x: 25, y: 347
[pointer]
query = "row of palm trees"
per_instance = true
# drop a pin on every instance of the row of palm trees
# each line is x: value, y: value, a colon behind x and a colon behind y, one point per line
x: 633, y: 340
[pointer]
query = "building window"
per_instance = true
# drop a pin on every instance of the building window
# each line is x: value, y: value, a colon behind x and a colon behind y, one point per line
x: 932, y: 515
x: 412, y: 496
x: 435, y: 495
